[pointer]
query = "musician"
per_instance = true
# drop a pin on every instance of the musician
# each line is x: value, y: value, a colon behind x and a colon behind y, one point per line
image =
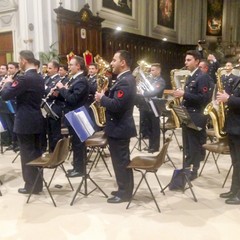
x: 63, y: 72
x: 228, y: 79
x: 75, y: 94
x: 232, y: 127
x: 13, y: 73
x: 120, y: 125
x: 4, y: 111
x: 92, y: 82
x: 153, y: 122
x: 28, y: 90
x: 56, y: 103
x: 196, y: 95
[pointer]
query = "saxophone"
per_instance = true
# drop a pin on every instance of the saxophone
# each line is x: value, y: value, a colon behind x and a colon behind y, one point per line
x: 178, y: 78
x: 217, y: 110
x: 99, y: 111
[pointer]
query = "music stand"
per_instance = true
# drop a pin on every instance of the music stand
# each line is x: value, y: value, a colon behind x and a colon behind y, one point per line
x: 185, y: 121
x: 160, y: 105
x: 83, y: 126
x: 141, y: 104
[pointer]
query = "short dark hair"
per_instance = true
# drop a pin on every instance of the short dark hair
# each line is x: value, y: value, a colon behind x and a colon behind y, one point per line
x: 158, y: 65
x: 55, y: 64
x: 206, y: 63
x: 5, y: 65
x: 27, y: 55
x: 93, y: 64
x: 15, y: 64
x: 64, y: 66
x: 81, y: 62
x: 125, y: 55
x: 196, y: 54
x: 37, y: 63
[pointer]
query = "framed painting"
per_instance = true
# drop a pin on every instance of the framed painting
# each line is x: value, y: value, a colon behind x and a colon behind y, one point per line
x: 165, y: 13
x: 214, y: 17
x: 121, y: 6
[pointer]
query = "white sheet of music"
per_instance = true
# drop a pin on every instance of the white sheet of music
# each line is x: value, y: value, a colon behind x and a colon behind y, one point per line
x: 85, y: 123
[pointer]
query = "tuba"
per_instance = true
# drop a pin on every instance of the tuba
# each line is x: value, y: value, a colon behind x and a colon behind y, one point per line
x: 217, y: 110
x: 178, y: 78
x: 99, y: 111
x: 141, y: 73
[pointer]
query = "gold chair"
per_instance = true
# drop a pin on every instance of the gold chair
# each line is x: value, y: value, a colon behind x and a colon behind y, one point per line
x: 149, y: 164
x: 51, y: 161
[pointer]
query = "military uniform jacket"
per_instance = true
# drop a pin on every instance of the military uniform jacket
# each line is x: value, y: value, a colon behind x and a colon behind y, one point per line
x: 119, y: 108
x: 228, y: 82
x: 28, y: 90
x: 77, y: 93
x: 57, y: 103
x: 197, y: 94
x: 232, y: 125
x: 92, y: 82
x: 158, y: 85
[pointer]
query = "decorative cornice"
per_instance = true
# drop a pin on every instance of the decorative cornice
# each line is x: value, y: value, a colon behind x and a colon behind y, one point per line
x: 8, y: 6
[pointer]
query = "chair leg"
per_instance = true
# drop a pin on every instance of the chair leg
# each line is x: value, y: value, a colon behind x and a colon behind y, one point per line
x: 136, y: 188
x: 205, y: 161
x: 40, y: 174
x: 227, y: 175
x: 162, y: 190
x: 64, y: 170
x: 215, y: 161
x: 52, y: 176
x: 153, y: 197
x: 18, y: 154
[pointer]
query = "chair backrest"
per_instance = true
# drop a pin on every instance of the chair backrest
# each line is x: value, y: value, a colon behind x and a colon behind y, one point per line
x: 160, y: 158
x: 60, y: 152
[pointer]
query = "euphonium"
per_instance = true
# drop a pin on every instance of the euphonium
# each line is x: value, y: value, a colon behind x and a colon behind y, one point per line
x: 102, y: 84
x: 141, y: 73
x: 217, y: 110
x: 178, y: 78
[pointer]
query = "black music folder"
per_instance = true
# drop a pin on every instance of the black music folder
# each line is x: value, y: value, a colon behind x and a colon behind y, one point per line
x: 184, y: 117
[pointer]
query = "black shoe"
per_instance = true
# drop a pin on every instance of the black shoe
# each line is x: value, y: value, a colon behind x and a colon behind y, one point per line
x: 9, y: 148
x: 229, y: 194
x: 70, y: 170
x: 74, y: 174
x: 117, y: 199
x: 114, y: 193
x: 152, y: 150
x: 234, y: 200
x: 16, y: 149
x: 25, y: 191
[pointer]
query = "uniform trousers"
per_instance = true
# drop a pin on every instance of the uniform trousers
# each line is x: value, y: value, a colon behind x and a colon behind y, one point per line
x: 79, y: 151
x: 54, y: 132
x: 192, y: 146
x: 30, y: 149
x: 120, y: 155
x: 153, y: 129
x: 234, y: 145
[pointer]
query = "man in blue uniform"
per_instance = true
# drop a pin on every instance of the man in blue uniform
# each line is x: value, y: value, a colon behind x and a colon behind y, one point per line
x: 28, y: 90
x: 153, y: 122
x: 196, y: 95
x: 120, y: 126
x: 232, y: 127
x: 75, y: 94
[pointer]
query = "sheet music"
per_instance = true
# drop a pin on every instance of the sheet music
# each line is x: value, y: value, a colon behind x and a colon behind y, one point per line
x: 184, y: 117
x: 85, y: 123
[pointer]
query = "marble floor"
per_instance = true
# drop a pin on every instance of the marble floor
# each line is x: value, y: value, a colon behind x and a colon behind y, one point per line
x: 92, y: 217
